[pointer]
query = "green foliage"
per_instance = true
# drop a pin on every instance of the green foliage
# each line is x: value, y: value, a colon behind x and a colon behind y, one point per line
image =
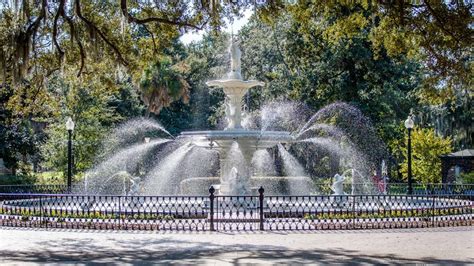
x: 310, y: 57
x: 426, y: 149
x: 126, y: 102
x: 467, y: 178
x: 19, y: 137
x: 162, y: 84
x: 17, y: 179
x: 383, y: 58
x: 437, y: 33
x: 93, y: 107
x: 62, y: 215
x: 434, y: 38
x: 202, y: 61
x: 389, y: 213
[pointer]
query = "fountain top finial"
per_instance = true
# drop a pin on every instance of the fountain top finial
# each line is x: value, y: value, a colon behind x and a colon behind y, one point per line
x: 235, y: 65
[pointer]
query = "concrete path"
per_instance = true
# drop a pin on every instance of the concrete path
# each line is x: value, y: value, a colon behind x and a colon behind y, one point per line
x: 398, y: 246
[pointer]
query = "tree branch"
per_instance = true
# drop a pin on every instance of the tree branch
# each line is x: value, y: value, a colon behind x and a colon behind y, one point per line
x: 439, y: 22
x: 22, y: 48
x: 35, y: 25
x: 101, y: 34
x: 152, y: 37
x: 55, y: 29
x: 75, y: 36
x: 130, y: 18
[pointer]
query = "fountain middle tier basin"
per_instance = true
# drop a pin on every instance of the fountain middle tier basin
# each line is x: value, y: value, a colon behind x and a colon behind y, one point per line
x: 224, y: 138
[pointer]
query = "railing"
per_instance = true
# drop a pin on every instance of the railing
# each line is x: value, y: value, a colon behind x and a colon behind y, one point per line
x: 231, y: 213
x: 104, y: 212
x: 319, y: 188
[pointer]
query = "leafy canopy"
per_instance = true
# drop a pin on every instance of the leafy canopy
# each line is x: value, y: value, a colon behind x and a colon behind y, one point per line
x: 426, y: 149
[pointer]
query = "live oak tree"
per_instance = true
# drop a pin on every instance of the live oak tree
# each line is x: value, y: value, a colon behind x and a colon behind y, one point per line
x: 42, y: 36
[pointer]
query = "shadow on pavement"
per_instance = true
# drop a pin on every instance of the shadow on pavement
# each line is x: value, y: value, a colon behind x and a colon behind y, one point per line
x: 168, y: 250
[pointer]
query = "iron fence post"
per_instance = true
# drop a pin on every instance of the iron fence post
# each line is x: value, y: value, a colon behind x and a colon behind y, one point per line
x: 120, y: 211
x: 353, y: 211
x: 211, y: 206
x: 260, y: 205
x: 433, y: 210
x: 41, y: 210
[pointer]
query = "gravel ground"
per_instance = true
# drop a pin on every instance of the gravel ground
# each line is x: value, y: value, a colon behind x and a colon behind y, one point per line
x: 397, y: 246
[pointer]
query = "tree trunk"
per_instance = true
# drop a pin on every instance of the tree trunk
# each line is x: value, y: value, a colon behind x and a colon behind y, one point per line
x: 147, y: 113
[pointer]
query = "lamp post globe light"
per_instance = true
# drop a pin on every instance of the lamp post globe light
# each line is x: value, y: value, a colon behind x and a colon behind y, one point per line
x: 70, y: 128
x: 409, y: 124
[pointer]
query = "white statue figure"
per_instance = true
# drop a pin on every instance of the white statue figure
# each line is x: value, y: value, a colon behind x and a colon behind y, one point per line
x: 134, y: 185
x: 233, y: 183
x: 337, y: 185
x: 235, y: 60
x: 384, y: 177
x: 230, y: 114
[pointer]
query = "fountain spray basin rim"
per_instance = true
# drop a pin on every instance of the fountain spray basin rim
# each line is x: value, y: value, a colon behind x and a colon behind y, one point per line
x: 225, y: 138
x: 234, y: 83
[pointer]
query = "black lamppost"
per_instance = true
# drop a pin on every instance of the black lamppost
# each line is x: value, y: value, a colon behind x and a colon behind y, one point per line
x: 409, y: 124
x: 70, y: 128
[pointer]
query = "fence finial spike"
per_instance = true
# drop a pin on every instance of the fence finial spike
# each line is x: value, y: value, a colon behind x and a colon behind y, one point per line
x: 212, y: 190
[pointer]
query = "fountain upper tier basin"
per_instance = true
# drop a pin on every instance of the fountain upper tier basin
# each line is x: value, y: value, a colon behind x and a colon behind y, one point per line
x: 224, y: 138
x: 234, y: 84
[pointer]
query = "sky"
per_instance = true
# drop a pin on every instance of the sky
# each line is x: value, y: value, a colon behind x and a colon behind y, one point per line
x: 235, y: 27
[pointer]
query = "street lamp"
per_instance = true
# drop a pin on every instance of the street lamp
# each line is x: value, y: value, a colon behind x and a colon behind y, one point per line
x: 409, y: 124
x: 70, y: 128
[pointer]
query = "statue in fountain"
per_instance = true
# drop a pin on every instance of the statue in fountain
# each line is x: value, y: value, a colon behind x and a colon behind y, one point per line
x: 230, y: 114
x: 233, y: 183
x: 134, y: 185
x: 338, y: 185
x: 236, y: 54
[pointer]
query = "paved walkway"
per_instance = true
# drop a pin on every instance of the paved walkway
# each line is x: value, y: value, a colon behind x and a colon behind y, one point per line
x: 398, y: 246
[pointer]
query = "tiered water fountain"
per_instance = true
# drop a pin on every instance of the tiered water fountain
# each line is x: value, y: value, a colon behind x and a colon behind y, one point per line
x: 140, y: 163
x: 275, y: 148
x: 235, y: 144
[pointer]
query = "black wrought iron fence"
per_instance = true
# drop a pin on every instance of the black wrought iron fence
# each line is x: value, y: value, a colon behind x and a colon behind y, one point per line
x: 104, y: 212
x: 234, y: 213
x: 366, y: 212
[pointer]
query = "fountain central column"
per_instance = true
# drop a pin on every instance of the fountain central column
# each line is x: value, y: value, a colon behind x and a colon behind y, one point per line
x: 233, y: 108
x: 235, y: 150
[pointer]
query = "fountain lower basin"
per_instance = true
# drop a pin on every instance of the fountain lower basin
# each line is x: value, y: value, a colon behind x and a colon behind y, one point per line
x: 273, y: 185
